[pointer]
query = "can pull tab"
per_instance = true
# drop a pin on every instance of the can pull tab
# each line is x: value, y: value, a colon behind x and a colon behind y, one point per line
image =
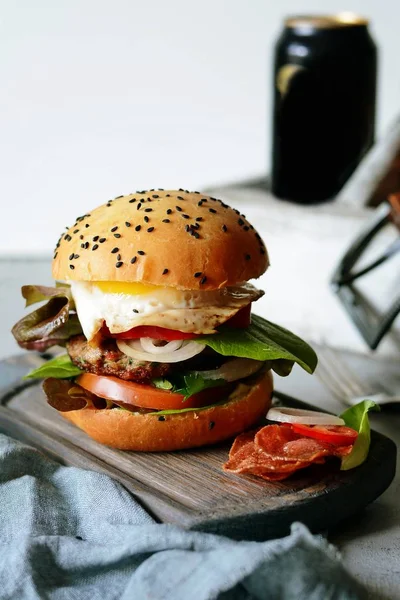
x: 285, y: 76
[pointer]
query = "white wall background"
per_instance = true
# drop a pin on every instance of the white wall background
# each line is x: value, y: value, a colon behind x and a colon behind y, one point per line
x: 100, y: 97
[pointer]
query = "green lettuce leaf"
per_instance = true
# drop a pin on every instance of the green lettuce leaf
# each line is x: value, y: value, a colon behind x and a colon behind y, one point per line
x: 195, y: 383
x: 60, y: 367
x: 50, y: 325
x: 264, y: 341
x: 162, y: 384
x: 188, y: 385
x: 356, y: 417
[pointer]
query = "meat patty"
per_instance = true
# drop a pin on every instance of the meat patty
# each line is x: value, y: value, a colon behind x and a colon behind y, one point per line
x: 106, y: 359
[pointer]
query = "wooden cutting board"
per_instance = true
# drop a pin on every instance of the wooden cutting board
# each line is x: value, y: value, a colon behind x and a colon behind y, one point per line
x: 189, y: 488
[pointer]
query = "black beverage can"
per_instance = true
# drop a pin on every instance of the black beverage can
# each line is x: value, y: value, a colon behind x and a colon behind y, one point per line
x: 324, y: 105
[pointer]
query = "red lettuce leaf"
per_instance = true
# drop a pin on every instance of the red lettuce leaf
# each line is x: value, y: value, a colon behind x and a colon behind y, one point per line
x: 51, y: 324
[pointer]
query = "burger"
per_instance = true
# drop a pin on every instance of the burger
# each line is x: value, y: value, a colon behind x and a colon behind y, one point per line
x: 152, y: 303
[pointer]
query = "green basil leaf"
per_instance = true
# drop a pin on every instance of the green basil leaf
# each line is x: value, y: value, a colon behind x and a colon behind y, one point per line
x: 265, y: 341
x: 356, y: 417
x: 60, y: 367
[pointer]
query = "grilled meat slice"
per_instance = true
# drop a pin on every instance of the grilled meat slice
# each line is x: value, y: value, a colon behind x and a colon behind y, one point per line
x: 106, y: 359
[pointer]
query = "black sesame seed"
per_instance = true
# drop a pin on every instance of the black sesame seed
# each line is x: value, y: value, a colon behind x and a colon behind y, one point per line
x: 262, y: 251
x: 114, y: 228
x: 165, y: 271
x: 108, y: 205
x: 199, y: 218
x: 95, y: 247
x: 212, y: 210
x: 138, y: 206
x: 148, y: 209
x: 178, y: 208
x: 195, y: 234
x: 211, y: 425
x: 138, y: 227
x: 82, y: 245
x: 118, y: 257
x: 76, y: 230
x: 169, y: 211
x: 198, y: 274
x: 187, y: 228
x: 150, y: 229
x: 246, y: 227
x: 200, y: 203
x: 76, y: 256
x: 180, y: 198
x: 181, y: 190
x: 203, y: 200
x: 71, y: 256
x: 161, y: 418
x: 117, y: 235
x: 241, y: 222
x: 203, y: 279
x: 86, y: 246
x: 132, y: 200
x: 195, y: 226
x: 102, y: 240
x: 224, y: 228
x: 197, y: 192
x: 81, y: 237
x: 247, y: 256
x: 71, y: 267
x: 96, y: 237
x: 146, y: 219
x: 155, y: 196
x: 168, y: 195
x: 114, y: 250
x: 55, y: 255
x: 135, y: 310
x: 186, y: 216
x: 166, y: 221
x: 87, y: 225
x: 67, y: 237
x: 133, y: 260
x: 119, y: 264
x: 141, y: 252
x: 127, y: 224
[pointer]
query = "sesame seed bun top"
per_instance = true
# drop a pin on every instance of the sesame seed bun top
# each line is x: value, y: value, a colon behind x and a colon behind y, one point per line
x: 163, y: 237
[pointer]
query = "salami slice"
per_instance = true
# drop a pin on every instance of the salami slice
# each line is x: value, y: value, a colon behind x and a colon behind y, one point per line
x: 281, y: 443
x: 275, y: 452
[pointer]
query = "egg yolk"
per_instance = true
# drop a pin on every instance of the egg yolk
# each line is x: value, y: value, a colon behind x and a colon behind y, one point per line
x: 124, y: 287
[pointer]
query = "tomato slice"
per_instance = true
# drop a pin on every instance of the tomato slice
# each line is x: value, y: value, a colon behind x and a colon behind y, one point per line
x: 151, y: 331
x: 338, y: 435
x: 145, y: 396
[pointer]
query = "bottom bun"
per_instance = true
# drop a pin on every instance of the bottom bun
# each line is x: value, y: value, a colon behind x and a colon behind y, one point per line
x: 149, y: 432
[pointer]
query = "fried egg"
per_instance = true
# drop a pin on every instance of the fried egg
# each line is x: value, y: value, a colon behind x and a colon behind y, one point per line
x: 122, y: 306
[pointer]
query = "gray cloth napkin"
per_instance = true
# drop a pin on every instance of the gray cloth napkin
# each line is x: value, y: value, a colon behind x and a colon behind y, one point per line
x: 71, y: 534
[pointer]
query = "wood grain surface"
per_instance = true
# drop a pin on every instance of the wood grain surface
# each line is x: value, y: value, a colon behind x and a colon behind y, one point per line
x: 189, y: 488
